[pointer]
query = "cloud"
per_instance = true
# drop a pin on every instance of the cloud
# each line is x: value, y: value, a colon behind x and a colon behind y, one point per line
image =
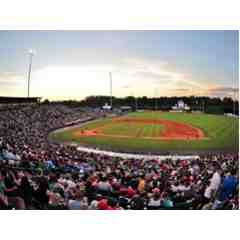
x: 10, y: 79
x: 161, y: 75
x: 155, y: 77
x: 12, y: 84
x: 182, y: 89
x: 143, y: 77
x: 224, y: 90
x: 127, y: 86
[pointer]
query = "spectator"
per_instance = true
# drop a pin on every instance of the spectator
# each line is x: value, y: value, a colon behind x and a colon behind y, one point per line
x: 227, y: 189
x: 46, y: 175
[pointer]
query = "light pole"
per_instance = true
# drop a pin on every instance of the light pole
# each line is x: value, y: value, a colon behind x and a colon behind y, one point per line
x: 29, y: 70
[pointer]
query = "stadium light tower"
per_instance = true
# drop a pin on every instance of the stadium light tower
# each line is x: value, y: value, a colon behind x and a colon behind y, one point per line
x: 31, y: 53
x: 110, y: 78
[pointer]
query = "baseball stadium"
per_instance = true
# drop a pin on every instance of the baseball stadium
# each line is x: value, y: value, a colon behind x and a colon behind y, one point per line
x: 82, y: 128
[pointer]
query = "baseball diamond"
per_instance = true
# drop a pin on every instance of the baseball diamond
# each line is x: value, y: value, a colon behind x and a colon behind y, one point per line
x: 155, y: 131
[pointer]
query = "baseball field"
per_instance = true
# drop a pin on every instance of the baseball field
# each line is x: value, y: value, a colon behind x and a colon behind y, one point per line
x: 158, y: 132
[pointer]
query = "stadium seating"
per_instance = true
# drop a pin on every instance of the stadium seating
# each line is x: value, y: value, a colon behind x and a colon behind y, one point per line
x: 38, y: 174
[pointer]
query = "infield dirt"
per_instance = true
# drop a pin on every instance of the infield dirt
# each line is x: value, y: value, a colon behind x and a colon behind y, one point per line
x: 172, y: 130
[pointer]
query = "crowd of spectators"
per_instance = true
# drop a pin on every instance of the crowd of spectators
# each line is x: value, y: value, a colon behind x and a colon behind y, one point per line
x: 38, y: 174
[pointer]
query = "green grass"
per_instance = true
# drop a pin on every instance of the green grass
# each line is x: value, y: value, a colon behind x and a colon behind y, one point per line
x: 133, y: 129
x: 222, y: 133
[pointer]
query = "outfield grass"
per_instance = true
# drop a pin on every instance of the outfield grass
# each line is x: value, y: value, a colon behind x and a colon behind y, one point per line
x: 222, y: 133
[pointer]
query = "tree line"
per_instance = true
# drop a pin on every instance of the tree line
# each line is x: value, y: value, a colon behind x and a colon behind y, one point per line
x: 206, y: 104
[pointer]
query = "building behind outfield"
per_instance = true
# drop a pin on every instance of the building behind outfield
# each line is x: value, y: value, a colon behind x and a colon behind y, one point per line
x: 180, y: 106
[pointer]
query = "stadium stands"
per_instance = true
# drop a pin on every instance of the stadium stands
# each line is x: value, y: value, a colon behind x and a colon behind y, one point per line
x: 38, y: 174
x: 19, y: 100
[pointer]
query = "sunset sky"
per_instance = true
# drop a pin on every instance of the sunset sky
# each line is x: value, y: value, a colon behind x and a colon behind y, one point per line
x: 76, y: 64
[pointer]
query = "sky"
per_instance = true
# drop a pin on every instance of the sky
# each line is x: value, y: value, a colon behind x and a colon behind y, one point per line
x: 76, y: 64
